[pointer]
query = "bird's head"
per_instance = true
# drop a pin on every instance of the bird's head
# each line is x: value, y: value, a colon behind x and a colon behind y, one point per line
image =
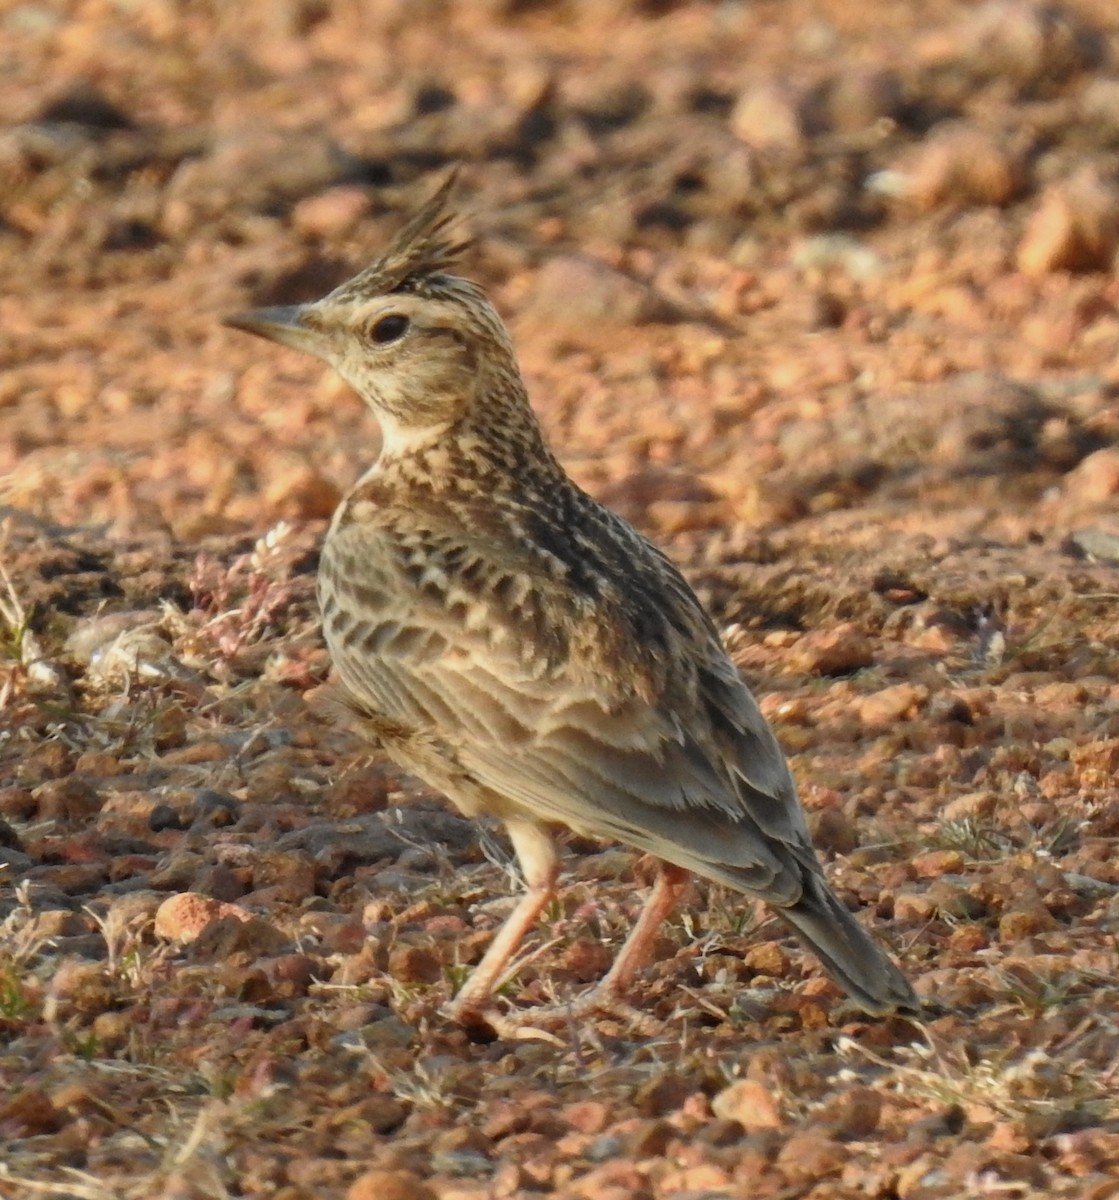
x: 421, y: 346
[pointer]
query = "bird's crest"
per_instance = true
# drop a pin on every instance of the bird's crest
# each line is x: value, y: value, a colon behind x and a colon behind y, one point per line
x: 425, y: 247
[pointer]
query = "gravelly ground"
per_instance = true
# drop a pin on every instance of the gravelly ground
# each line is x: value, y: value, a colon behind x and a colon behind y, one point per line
x: 822, y: 297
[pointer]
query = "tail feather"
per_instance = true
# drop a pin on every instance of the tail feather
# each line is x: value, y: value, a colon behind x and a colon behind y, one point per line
x: 848, y: 953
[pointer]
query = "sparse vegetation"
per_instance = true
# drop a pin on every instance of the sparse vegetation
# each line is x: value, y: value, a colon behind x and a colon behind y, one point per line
x: 826, y: 304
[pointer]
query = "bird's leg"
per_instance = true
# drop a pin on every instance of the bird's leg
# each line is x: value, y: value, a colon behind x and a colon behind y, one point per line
x: 634, y: 954
x: 536, y: 853
x: 606, y: 995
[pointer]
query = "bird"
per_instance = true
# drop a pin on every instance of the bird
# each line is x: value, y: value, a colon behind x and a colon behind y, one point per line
x: 522, y: 649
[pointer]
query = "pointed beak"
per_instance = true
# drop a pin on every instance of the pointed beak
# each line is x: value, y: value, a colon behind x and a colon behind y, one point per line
x: 283, y: 324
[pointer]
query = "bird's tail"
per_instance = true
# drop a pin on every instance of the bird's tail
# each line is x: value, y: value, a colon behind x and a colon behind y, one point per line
x: 849, y: 954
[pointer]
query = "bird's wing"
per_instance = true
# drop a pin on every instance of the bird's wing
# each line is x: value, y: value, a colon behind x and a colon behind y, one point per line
x: 670, y: 754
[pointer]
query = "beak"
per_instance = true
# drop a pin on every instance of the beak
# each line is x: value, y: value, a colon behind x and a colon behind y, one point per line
x: 281, y: 324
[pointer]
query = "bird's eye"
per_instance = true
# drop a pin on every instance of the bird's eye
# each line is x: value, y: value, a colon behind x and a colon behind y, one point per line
x: 389, y: 329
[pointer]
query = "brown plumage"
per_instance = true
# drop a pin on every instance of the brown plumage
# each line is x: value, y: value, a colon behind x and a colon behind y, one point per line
x: 523, y: 649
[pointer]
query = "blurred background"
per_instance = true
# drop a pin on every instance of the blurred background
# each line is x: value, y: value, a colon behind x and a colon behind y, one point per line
x: 820, y: 294
x: 766, y: 263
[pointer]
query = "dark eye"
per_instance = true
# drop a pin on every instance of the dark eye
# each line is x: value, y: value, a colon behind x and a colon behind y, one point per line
x: 389, y: 329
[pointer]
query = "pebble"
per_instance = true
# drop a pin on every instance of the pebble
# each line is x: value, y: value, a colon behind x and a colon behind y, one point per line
x: 913, y: 906
x: 31, y: 1113
x: 1095, y: 480
x: 333, y: 214
x: 414, y: 964
x: 1028, y: 43
x: 811, y: 1155
x: 884, y: 709
x: 769, y: 116
x: 935, y: 863
x: 832, y: 831
x: 584, y: 298
x: 854, y: 1113
x: 750, y: 1103
x: 1074, y: 228
x: 69, y: 800
x: 958, y: 166
x: 970, y: 806
x: 182, y: 918
x: 838, y: 651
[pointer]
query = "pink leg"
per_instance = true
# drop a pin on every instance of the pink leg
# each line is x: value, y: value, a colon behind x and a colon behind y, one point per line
x: 670, y: 882
x: 605, y: 996
x: 537, y: 855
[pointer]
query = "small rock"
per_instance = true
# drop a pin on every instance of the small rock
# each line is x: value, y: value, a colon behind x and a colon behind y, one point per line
x: 299, y: 493
x: 178, y: 872
x: 587, y: 1116
x: 31, y: 1113
x: 587, y: 960
x: 219, y: 883
x: 15, y: 862
x: 853, y: 1114
x: 93, y: 635
x: 1095, y: 480
x: 59, y: 922
x: 462, y: 1139
x: 113, y: 1029
x: 1099, y: 104
x: 388, y: 1032
x: 1026, y: 42
x: 650, y: 1138
x: 78, y: 987
x: 217, y: 808
x: 413, y: 964
x: 83, y: 104
x: 580, y: 298
x: 389, y: 1185
x: 1010, y: 1137
x: 1076, y: 227
x: 750, y: 1103
x: 769, y: 116
x: 663, y: 1095
x: 98, y: 763
x: 229, y: 936
x: 857, y: 98
x: 945, y: 706
x: 182, y: 918
x: 164, y: 817
x: 68, y: 800
x: 292, y: 974
x: 333, y: 214
x: 18, y: 803
x: 833, y: 831
x: 958, y: 166
x: 73, y: 879
x: 936, y: 863
x: 362, y: 790
x: 950, y: 899
x: 291, y: 871
x: 1023, y: 923
x: 131, y: 916
x: 811, y: 1155
x: 117, y: 647
x: 885, y: 708
x: 970, y: 806
x: 838, y: 651
x: 767, y: 958
x: 913, y: 906
x: 262, y: 167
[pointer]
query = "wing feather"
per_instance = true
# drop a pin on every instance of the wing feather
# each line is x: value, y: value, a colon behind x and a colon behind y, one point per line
x: 691, y: 773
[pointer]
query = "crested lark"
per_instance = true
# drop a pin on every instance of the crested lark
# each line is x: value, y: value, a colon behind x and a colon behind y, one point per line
x: 524, y: 650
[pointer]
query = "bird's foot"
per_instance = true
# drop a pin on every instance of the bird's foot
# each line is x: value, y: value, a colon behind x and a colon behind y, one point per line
x: 538, y: 1024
